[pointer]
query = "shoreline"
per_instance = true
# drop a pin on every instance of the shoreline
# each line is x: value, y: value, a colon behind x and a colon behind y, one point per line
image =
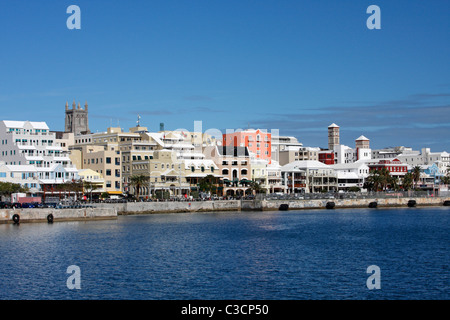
x: 108, y: 211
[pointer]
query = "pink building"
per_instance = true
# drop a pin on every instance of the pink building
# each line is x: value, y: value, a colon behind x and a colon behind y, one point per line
x: 257, y: 141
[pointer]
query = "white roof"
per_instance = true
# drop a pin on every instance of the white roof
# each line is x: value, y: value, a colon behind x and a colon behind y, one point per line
x: 333, y: 125
x: 57, y: 148
x: 199, y: 162
x: 353, y: 165
x: 22, y: 168
x: 22, y: 147
x: 304, y: 164
x: 362, y: 138
x: 348, y: 175
x: 21, y: 124
x: 35, y: 158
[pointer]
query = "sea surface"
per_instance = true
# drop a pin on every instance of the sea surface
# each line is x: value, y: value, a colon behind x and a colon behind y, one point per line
x: 280, y: 255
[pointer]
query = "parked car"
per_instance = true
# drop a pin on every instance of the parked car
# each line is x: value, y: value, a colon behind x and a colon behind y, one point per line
x: 5, y: 205
x: 17, y: 205
x: 28, y: 205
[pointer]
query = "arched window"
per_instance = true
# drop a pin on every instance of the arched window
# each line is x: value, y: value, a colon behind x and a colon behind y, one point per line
x: 243, y: 171
x: 225, y: 171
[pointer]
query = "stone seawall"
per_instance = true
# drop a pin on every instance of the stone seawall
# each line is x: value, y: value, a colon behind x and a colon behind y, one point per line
x: 260, y: 205
x: 112, y: 210
x: 41, y: 215
x: 342, y: 203
x: 172, y: 207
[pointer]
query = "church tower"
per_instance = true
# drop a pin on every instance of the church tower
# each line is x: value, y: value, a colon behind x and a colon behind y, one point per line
x: 77, y: 119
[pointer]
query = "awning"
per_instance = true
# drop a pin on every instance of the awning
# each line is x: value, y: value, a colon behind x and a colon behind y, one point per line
x: 115, y: 192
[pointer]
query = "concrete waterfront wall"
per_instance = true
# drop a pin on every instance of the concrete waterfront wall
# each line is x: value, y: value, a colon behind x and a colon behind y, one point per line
x: 40, y: 215
x: 172, y: 207
x: 112, y: 210
x: 259, y: 205
x: 345, y: 203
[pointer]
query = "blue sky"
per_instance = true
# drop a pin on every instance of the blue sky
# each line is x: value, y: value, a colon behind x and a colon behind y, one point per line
x: 296, y: 66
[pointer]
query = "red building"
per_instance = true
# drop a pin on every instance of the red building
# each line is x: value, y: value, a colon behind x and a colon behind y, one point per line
x: 395, y: 167
x: 326, y: 156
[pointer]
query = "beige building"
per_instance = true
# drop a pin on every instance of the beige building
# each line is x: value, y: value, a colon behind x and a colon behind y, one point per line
x: 102, y: 160
x: 173, y: 174
x: 291, y: 154
x: 234, y: 166
x: 96, y: 179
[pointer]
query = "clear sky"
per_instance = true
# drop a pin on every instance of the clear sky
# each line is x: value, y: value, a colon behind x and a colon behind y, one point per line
x: 296, y: 66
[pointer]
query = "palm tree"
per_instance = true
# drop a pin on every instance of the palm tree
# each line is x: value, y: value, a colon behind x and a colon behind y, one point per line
x: 407, y: 181
x: 137, y: 181
x: 207, y: 183
x: 256, y: 187
x: 378, y: 179
x: 416, y: 175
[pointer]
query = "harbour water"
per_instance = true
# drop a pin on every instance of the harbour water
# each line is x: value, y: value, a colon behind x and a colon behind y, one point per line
x: 292, y: 255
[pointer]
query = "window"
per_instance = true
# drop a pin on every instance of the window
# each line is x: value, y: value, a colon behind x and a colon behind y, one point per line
x: 108, y: 159
x: 108, y: 172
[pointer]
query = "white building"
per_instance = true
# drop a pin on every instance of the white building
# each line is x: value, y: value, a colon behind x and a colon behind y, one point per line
x: 25, y: 175
x: 351, y: 174
x: 426, y: 157
x: 30, y: 147
x: 308, y: 176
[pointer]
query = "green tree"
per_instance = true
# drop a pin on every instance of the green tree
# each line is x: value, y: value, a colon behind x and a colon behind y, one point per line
x: 208, y: 183
x: 8, y: 188
x: 407, y: 181
x: 257, y: 187
x: 416, y: 175
x: 137, y: 181
x: 89, y: 187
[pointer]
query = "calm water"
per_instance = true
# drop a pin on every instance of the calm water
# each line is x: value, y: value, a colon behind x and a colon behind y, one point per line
x: 320, y: 254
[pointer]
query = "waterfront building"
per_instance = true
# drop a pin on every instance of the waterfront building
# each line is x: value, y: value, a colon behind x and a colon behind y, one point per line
x: 395, y: 167
x: 257, y: 141
x: 274, y: 179
x: 426, y: 157
x: 234, y: 165
x: 168, y: 172
x: 95, y: 179
x: 27, y: 143
x: 260, y: 173
x: 165, y: 173
x: 351, y: 175
x: 308, y: 176
x: 25, y: 175
x: 103, y: 160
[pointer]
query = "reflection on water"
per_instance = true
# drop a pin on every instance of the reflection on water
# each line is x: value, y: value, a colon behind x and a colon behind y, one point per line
x: 319, y: 254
